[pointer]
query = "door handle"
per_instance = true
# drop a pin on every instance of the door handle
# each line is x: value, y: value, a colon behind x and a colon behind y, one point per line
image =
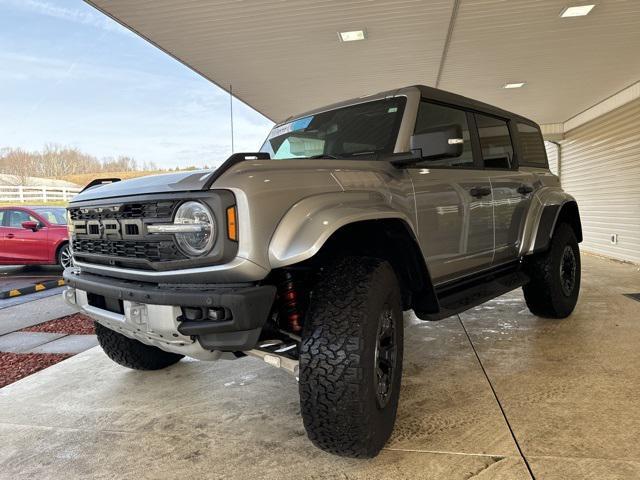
x: 525, y: 189
x: 480, y: 191
x: 10, y: 235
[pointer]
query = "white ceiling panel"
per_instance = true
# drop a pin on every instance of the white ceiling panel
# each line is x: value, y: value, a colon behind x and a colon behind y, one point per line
x: 569, y: 64
x: 284, y: 56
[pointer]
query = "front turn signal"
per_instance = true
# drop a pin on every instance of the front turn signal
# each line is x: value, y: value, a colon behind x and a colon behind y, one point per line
x: 232, y: 225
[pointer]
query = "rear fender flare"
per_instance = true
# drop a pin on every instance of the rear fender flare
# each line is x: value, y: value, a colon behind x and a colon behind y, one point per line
x: 547, y: 206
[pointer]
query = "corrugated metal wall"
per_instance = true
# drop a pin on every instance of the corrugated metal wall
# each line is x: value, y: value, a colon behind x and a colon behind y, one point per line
x: 600, y: 166
x: 552, y: 155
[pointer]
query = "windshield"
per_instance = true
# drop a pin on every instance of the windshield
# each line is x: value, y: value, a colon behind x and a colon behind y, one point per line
x: 350, y: 132
x: 55, y: 216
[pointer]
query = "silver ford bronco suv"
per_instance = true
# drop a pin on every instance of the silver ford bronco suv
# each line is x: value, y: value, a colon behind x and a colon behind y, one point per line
x: 306, y: 253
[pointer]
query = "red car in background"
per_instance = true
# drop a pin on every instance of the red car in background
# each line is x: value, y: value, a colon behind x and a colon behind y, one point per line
x: 34, y: 235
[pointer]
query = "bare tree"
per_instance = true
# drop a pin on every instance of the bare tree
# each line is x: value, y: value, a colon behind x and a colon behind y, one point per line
x: 18, y: 164
x: 58, y: 161
x: 120, y: 164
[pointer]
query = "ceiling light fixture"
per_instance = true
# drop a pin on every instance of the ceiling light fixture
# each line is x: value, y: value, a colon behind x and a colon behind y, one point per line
x: 577, y: 11
x: 352, y: 36
x: 514, y: 85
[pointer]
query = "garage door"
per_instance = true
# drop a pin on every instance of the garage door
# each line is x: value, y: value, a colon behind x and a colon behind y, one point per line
x: 552, y: 155
x: 600, y: 166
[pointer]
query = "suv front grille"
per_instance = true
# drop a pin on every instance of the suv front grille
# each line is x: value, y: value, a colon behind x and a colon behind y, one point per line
x: 150, y: 210
x: 152, y: 251
x: 93, y: 244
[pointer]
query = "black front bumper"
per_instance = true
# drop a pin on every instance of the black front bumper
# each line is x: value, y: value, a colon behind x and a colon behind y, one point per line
x: 247, y: 306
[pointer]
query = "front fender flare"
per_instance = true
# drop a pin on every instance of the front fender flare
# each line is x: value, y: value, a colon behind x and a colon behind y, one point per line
x: 310, y: 223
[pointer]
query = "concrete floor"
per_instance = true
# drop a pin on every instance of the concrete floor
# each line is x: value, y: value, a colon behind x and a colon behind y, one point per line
x: 570, y: 392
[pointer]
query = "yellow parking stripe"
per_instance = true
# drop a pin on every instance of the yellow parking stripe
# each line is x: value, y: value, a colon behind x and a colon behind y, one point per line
x: 60, y: 283
x: 39, y: 287
x: 14, y: 293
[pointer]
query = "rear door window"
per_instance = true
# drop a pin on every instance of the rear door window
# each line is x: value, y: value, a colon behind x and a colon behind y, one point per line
x: 495, y: 142
x: 532, y: 151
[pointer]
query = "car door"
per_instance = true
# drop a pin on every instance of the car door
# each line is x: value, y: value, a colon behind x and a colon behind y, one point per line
x: 512, y: 189
x: 24, y: 245
x: 4, y: 257
x: 453, y: 201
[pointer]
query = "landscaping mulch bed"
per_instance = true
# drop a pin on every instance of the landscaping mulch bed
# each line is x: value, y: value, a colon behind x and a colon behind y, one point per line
x: 14, y: 366
x: 76, y: 324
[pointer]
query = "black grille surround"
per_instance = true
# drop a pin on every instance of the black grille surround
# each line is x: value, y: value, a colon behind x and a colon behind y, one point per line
x: 123, y: 240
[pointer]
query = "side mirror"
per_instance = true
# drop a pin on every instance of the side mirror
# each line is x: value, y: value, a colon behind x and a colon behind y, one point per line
x: 30, y: 225
x: 441, y: 142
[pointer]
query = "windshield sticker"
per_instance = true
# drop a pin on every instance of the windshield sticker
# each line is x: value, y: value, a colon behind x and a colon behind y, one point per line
x: 392, y: 110
x: 299, y: 124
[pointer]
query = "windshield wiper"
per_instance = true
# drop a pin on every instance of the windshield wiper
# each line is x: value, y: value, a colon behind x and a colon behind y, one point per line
x: 368, y: 152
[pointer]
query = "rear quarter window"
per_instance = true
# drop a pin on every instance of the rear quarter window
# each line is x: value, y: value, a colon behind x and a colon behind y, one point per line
x: 533, y: 153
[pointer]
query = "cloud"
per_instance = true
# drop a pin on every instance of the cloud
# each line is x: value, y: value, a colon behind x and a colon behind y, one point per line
x: 76, y: 15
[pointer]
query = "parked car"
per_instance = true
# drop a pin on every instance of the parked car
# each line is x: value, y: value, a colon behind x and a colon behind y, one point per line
x: 306, y: 253
x: 34, y: 235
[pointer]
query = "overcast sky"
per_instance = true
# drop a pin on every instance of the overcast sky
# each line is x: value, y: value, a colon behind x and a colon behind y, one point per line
x: 72, y: 76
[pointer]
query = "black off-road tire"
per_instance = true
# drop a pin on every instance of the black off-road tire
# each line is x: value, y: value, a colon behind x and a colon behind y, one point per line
x: 132, y: 353
x: 343, y: 411
x: 544, y: 294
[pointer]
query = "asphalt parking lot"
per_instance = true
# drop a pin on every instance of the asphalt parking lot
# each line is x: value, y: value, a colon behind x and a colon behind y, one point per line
x: 18, y: 276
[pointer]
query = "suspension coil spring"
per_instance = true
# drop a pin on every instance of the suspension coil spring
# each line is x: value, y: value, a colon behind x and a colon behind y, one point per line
x: 289, y: 303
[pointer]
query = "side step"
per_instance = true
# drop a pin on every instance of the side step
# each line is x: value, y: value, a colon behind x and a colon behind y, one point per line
x: 456, y: 297
x: 274, y: 352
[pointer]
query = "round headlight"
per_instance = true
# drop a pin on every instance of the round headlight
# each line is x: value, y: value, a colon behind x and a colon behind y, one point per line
x: 200, y: 241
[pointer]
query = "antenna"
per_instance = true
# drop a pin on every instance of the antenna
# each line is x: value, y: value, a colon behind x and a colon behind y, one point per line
x: 231, y: 115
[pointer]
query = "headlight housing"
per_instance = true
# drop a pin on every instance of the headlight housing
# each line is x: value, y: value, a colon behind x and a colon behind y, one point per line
x: 200, y: 240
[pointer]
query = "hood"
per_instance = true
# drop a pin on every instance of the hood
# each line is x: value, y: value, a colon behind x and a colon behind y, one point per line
x: 163, y: 183
x: 284, y: 175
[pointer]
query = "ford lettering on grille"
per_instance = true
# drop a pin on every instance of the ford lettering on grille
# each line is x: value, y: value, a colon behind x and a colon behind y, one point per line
x: 110, y: 229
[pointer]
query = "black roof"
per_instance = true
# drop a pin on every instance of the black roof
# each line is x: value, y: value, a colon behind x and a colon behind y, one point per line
x: 443, y: 96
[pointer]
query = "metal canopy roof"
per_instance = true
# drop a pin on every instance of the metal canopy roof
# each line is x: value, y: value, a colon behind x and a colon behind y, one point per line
x: 284, y: 56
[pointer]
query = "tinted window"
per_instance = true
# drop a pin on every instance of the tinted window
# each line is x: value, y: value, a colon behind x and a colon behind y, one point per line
x: 495, y: 142
x: 16, y: 217
x: 1, y: 217
x: 355, y: 131
x: 432, y: 116
x: 532, y: 146
x: 56, y: 216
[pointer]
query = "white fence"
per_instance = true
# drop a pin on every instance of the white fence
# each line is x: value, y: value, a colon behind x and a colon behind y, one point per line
x: 26, y: 194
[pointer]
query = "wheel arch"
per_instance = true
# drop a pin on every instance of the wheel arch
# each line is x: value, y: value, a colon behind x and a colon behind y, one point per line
x: 59, y: 246
x: 392, y: 239
x: 321, y: 227
x: 549, y: 209
x: 307, y: 225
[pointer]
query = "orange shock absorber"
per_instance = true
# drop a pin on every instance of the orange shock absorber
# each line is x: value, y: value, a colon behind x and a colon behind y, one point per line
x: 289, y: 303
